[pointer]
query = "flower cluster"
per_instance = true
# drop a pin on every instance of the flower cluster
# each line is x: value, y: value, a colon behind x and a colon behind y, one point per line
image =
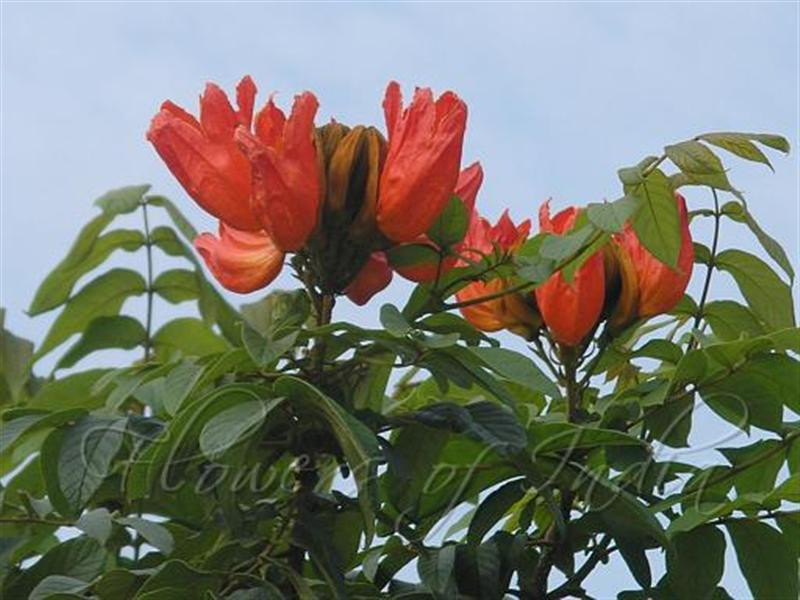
x: 349, y: 203
x: 335, y: 196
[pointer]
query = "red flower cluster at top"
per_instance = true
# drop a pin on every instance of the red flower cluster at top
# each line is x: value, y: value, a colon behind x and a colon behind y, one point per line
x: 348, y: 199
x: 265, y: 178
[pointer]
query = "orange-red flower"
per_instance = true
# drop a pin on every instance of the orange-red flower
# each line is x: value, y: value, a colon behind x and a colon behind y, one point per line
x: 374, y: 276
x: 203, y: 155
x: 242, y: 261
x: 467, y: 186
x: 515, y: 312
x: 286, y: 171
x: 648, y: 286
x: 570, y: 309
x: 422, y: 163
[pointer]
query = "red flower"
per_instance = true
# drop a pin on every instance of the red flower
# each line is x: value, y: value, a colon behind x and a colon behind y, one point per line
x: 570, y: 309
x: 241, y: 261
x: 422, y: 163
x: 651, y: 286
x: 203, y: 155
x: 467, y: 186
x: 374, y: 276
x: 286, y: 171
x: 515, y: 312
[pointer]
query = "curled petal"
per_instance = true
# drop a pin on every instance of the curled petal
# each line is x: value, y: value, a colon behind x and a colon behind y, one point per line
x: 468, y: 184
x: 245, y: 100
x: 422, y: 162
x: 286, y: 178
x: 570, y: 309
x: 660, y: 287
x: 217, y: 116
x: 241, y: 261
x: 374, y: 276
x: 215, y: 175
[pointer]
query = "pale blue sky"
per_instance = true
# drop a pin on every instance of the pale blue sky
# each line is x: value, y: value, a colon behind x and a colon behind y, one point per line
x: 560, y: 96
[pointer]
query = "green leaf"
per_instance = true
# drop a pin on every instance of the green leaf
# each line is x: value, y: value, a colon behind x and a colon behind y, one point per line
x: 487, y: 422
x: 186, y: 580
x: 58, y: 586
x: 181, y: 222
x: 226, y: 429
x: 451, y: 224
x: 265, y: 350
x: 101, y: 297
x: 359, y: 444
x: 17, y: 425
x: 632, y: 550
x: 177, y: 285
x: 562, y: 247
x: 393, y: 321
x: 766, y: 294
x: 518, y: 368
x: 155, y: 534
x: 78, y: 458
x: 88, y: 252
x: 765, y: 453
x: 16, y: 354
x: 81, y: 558
x: 699, y: 164
x: 406, y: 255
x: 492, y: 509
x: 559, y: 437
x: 695, y: 562
x: 278, y: 310
x: 102, y: 333
x: 766, y: 559
x: 122, y: 200
x: 657, y: 223
x: 738, y: 144
x: 96, y: 524
x: 755, y: 393
x: 729, y: 320
x: 189, y: 337
x: 435, y: 569
x: 778, y: 142
x: 739, y: 212
x: 612, y: 216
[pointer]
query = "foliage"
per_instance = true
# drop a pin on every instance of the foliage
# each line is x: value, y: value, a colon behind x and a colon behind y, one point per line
x: 273, y: 452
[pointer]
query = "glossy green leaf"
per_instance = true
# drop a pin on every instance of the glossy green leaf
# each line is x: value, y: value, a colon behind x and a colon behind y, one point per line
x: 122, y: 200
x: 154, y: 534
x: 178, y: 219
x: 767, y: 295
x: 739, y: 212
x: 96, y: 523
x: 656, y: 223
x: 102, y: 333
x: 393, y: 321
x: 738, y: 144
x: 730, y: 320
x: 101, y: 297
x: 77, y: 458
x: 767, y: 562
x: 176, y: 285
x: 451, y: 224
x: 491, y: 510
x: 80, y: 558
x: 188, y: 337
x: 695, y: 562
x: 517, y: 367
x: 612, y: 216
x: 230, y: 427
x: 58, y: 586
x: 86, y: 254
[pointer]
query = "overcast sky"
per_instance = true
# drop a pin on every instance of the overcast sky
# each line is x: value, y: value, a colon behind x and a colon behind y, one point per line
x: 559, y: 95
